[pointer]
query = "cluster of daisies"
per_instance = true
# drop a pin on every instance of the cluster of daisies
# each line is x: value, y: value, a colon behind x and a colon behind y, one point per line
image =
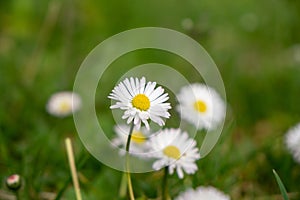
x: 171, y: 148
x: 144, y: 102
x: 199, y: 105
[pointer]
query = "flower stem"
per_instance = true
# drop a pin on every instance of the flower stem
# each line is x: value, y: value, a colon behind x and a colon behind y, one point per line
x: 164, y: 185
x: 82, y: 160
x: 73, y: 168
x: 17, y: 195
x: 127, y: 163
x: 123, y: 186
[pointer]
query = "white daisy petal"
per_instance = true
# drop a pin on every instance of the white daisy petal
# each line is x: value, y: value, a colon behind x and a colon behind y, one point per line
x: 141, y: 101
x: 180, y: 172
x: 171, y: 168
x: 203, y: 193
x: 149, y: 88
x: 174, y: 149
x: 123, y: 92
x: 157, y: 165
x: 292, y: 141
x: 133, y: 86
x: 136, y: 120
x: 142, y: 85
x: 157, y: 120
x: 156, y: 93
x: 146, y: 124
x: 160, y: 99
x: 128, y: 87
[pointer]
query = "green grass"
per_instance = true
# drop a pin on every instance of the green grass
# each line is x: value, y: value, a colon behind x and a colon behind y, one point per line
x: 39, y: 56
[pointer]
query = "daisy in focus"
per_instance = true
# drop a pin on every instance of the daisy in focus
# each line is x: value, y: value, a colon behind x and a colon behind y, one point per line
x: 292, y: 140
x: 203, y: 193
x: 141, y: 101
x: 174, y: 148
x: 139, y: 139
x: 201, y: 106
x: 62, y: 104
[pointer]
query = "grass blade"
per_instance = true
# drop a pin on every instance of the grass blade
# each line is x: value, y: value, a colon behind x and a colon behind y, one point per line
x: 281, y: 186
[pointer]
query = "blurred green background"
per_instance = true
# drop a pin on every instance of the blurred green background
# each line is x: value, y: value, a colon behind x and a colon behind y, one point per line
x: 255, y: 44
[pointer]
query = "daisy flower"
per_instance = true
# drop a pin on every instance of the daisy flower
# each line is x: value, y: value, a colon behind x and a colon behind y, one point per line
x: 203, y: 193
x: 292, y: 140
x: 62, y: 104
x: 141, y: 101
x: 174, y: 148
x: 138, y: 142
x: 201, y: 106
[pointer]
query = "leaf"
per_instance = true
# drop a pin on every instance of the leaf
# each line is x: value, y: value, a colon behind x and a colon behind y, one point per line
x: 281, y: 186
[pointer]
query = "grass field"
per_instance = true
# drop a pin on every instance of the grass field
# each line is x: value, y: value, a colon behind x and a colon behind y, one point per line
x: 255, y: 44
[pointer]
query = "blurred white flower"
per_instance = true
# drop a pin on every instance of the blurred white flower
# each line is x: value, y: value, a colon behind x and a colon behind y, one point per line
x: 249, y: 21
x: 201, y: 106
x: 174, y: 148
x: 64, y: 103
x: 187, y: 23
x: 141, y: 101
x: 292, y: 140
x: 296, y: 53
x: 138, y: 142
x: 203, y: 193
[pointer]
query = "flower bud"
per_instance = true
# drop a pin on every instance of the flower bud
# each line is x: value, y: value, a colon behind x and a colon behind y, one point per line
x: 13, y: 182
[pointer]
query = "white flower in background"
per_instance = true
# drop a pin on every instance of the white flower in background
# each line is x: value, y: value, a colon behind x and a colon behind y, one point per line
x: 138, y: 142
x: 174, y: 148
x: 295, y: 51
x: 187, y: 24
x: 203, y: 193
x: 249, y: 21
x: 141, y: 101
x: 201, y: 106
x: 62, y: 104
x: 292, y: 140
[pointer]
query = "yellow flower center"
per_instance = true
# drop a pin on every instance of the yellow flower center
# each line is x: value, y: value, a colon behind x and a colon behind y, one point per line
x: 138, y: 137
x: 141, y: 102
x: 200, y: 106
x: 172, y: 152
x: 65, y: 106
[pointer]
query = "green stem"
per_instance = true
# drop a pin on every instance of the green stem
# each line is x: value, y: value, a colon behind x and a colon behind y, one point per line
x: 129, y: 139
x: 127, y: 163
x: 123, y: 186
x: 164, y: 185
x: 17, y: 195
x: 83, y: 159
